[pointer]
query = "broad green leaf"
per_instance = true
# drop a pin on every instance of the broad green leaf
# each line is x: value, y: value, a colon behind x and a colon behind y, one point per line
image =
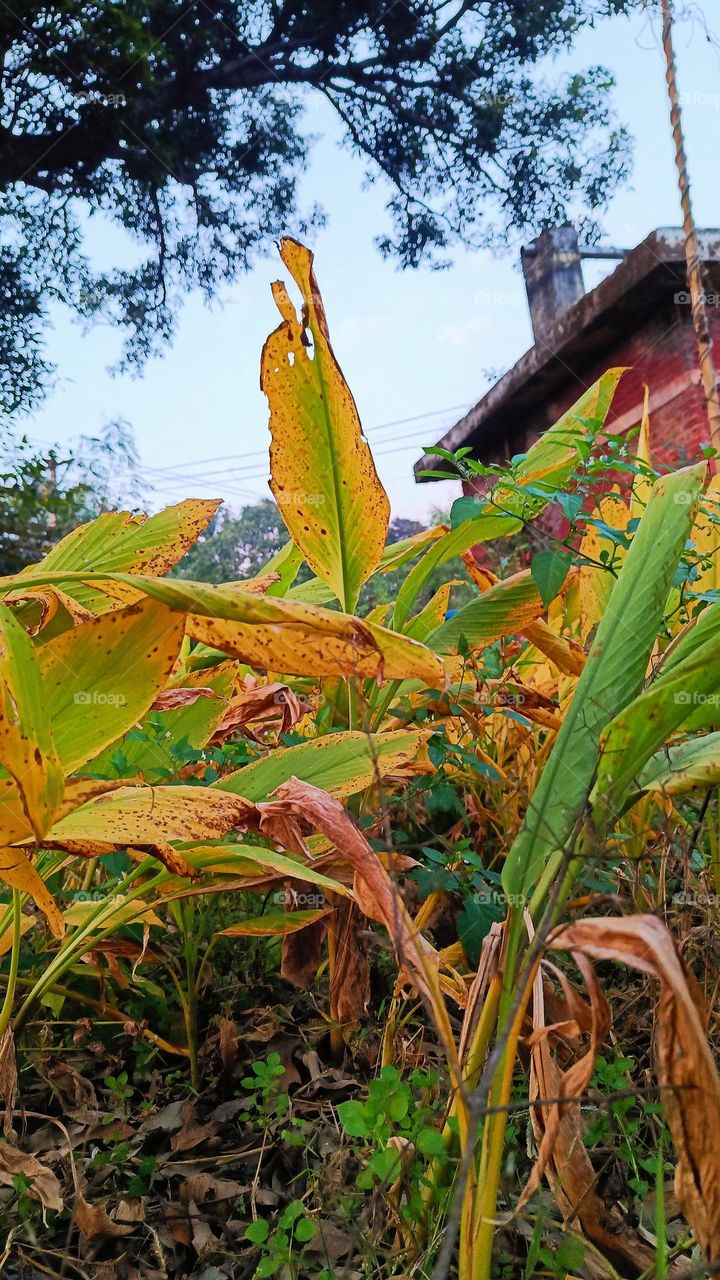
x: 253, y: 862
x: 101, y: 678
x: 341, y: 763
x: 691, y: 679
x: 286, y: 563
x: 27, y: 747
x: 683, y: 766
x: 612, y: 676
x: 549, y: 570
x: 122, y: 542
x: 511, y: 605
x: 323, y: 477
x: 486, y: 526
x: 546, y: 469
x: 275, y: 923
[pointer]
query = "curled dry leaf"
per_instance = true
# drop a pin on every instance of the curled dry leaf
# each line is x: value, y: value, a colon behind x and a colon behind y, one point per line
x: 350, y: 977
x: 94, y: 1221
x: 687, y: 1074
x: 44, y: 1185
x: 562, y: 1156
x: 269, y: 705
x: 375, y: 893
x: 8, y: 1078
x: 169, y: 699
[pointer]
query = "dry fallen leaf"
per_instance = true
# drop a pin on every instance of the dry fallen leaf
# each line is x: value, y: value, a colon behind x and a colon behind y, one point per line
x: 687, y: 1074
x: 191, y: 1134
x: 93, y: 1220
x: 562, y: 1156
x: 44, y: 1186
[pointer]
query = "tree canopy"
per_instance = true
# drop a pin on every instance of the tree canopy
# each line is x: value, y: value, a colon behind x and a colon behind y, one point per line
x: 185, y: 124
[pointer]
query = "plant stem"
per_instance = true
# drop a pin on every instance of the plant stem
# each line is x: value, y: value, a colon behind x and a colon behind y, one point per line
x: 7, y: 1008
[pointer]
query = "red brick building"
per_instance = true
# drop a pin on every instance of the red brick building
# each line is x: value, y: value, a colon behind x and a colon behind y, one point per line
x: 639, y: 316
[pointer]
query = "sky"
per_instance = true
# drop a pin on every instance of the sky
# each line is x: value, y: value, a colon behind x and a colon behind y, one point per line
x: 417, y: 347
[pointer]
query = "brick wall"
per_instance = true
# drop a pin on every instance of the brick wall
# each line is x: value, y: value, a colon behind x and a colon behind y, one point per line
x: 662, y: 354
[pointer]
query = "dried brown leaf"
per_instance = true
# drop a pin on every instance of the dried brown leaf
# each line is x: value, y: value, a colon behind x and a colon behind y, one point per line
x: 44, y: 1185
x: 687, y: 1074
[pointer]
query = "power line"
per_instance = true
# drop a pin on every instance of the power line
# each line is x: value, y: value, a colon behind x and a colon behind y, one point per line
x: 229, y: 457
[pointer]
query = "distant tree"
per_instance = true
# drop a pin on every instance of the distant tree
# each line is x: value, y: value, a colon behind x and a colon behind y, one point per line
x: 44, y: 495
x: 236, y: 546
x: 183, y: 123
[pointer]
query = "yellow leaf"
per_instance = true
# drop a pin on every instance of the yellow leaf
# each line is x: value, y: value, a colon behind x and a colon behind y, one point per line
x: 321, y: 642
x: 705, y: 537
x: 17, y: 870
x: 152, y: 816
x: 323, y: 475
x: 122, y: 542
x: 594, y: 582
x: 6, y: 938
x: 275, y: 923
x: 27, y: 749
x: 342, y: 763
x: 101, y: 678
x: 642, y: 482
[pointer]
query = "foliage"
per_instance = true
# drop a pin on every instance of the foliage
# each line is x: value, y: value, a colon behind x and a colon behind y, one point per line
x: 250, y: 779
x: 44, y: 496
x: 190, y: 134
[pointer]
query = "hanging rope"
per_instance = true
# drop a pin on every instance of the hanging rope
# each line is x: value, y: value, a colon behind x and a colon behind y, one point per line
x: 692, y: 254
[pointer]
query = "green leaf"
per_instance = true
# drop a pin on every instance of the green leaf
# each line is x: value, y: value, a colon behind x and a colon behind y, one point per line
x: 101, y: 677
x: 354, y: 1119
x: 267, y: 1267
x: 386, y: 1164
x: 119, y: 541
x: 683, y: 767
x: 430, y: 1143
x: 341, y: 763
x: 690, y: 679
x: 546, y: 468
x: 506, y: 607
x: 304, y: 1231
x: 549, y: 570
x: 257, y: 1232
x: 613, y: 675
x: 291, y: 1213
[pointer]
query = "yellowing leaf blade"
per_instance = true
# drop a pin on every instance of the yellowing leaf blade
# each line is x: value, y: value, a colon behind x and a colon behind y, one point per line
x: 323, y: 475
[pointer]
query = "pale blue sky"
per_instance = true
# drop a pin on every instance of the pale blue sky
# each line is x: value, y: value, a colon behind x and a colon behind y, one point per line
x: 410, y: 343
